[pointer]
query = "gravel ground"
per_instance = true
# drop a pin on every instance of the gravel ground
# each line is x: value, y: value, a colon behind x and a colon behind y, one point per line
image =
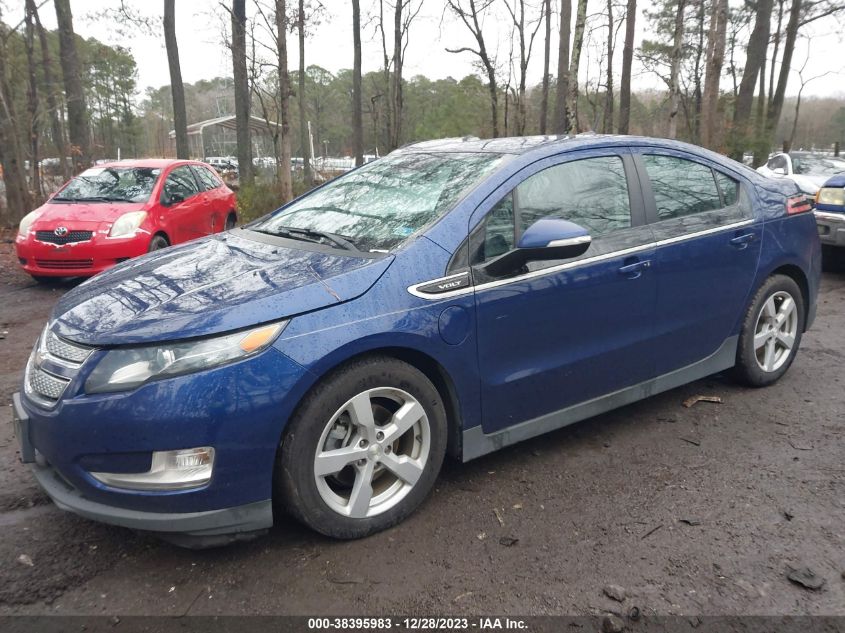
x: 692, y: 511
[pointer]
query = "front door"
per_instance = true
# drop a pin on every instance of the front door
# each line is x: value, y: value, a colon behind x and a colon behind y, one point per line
x: 560, y: 333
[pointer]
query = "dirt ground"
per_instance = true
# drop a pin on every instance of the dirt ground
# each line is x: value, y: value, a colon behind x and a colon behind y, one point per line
x: 691, y: 511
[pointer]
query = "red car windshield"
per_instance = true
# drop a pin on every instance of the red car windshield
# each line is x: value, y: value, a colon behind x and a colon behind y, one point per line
x: 110, y: 184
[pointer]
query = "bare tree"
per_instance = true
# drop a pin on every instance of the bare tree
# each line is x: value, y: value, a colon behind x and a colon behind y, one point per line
x: 627, y: 60
x: 56, y: 121
x: 577, y: 42
x: 607, y: 125
x: 674, y: 75
x: 525, y: 40
x: 242, y: 92
x: 789, y: 144
x: 561, y: 122
x: 177, y: 90
x: 304, y: 137
x: 471, y: 17
x: 285, y: 184
x: 77, y: 111
x: 403, y: 15
x: 544, y: 105
x: 715, y: 58
x: 357, y: 112
x: 755, y: 59
x: 32, y: 103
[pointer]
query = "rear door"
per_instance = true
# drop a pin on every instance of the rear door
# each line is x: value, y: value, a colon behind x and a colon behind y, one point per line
x: 562, y: 332
x: 215, y: 208
x: 708, y: 247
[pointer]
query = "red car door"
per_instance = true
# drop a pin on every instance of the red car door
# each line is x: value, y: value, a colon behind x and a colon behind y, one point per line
x: 185, y: 206
x: 216, y: 198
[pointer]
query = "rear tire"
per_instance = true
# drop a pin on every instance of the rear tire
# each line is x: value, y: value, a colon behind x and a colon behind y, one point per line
x: 157, y: 243
x: 771, y: 332
x: 231, y: 221
x: 363, y: 449
x: 833, y: 258
x: 44, y: 280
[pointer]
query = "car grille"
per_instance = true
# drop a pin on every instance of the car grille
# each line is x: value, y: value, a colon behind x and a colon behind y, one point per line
x: 46, y: 385
x: 71, y: 236
x: 64, y: 264
x: 66, y: 350
x: 43, y: 386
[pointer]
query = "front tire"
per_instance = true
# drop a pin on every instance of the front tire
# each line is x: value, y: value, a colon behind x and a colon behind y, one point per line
x: 771, y: 332
x: 157, y: 243
x: 363, y: 449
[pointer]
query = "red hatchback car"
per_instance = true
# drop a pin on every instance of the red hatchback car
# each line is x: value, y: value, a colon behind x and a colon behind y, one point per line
x: 116, y: 211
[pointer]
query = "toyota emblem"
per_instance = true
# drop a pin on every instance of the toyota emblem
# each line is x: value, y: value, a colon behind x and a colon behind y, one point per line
x: 60, y: 231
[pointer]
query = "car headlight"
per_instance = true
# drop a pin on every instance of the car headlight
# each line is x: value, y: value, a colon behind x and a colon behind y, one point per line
x: 127, y: 368
x: 831, y: 195
x: 127, y: 223
x: 26, y: 222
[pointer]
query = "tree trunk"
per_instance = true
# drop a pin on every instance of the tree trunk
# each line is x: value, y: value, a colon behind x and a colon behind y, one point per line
x: 561, y: 122
x: 397, y: 103
x: 700, y: 19
x: 776, y: 37
x: 357, y: 113
x: 242, y: 95
x: 674, y: 76
x: 56, y: 121
x: 177, y: 90
x: 755, y: 58
x: 32, y: 105
x: 761, y: 151
x: 627, y: 60
x: 608, y: 95
x: 77, y: 111
x: 544, y: 105
x: 572, y: 101
x: 715, y: 59
x: 285, y: 184
x: 18, y: 201
x: 304, y: 138
x: 388, y: 109
x: 773, y: 115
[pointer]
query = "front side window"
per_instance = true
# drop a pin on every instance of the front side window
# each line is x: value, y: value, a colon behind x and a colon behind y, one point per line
x: 681, y: 187
x: 208, y: 180
x: 591, y: 192
x: 110, y: 184
x: 379, y: 205
x: 180, y: 183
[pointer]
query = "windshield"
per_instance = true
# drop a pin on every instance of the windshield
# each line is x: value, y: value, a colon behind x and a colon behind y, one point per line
x: 809, y: 165
x: 379, y: 205
x: 111, y: 184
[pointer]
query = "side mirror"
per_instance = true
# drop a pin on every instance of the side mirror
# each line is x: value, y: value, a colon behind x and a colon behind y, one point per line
x: 546, y: 239
x: 174, y: 198
x: 779, y: 171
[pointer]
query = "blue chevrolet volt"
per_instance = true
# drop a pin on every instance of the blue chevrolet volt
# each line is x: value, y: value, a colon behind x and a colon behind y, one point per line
x: 453, y: 297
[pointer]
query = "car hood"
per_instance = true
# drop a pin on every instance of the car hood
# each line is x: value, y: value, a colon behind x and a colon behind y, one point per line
x: 809, y: 184
x: 81, y: 214
x: 835, y: 181
x: 209, y: 286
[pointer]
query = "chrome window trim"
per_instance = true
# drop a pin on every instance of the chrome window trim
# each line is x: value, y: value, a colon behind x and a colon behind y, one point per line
x: 567, y: 266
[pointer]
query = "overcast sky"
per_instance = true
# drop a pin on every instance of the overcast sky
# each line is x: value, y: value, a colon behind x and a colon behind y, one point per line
x: 199, y: 25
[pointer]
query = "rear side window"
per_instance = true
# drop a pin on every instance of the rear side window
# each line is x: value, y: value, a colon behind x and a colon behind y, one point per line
x: 681, y: 187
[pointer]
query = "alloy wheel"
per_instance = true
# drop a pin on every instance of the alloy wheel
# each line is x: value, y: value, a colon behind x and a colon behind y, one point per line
x: 775, y: 332
x: 372, y: 452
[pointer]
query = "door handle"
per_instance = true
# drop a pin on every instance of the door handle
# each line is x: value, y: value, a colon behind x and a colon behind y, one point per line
x: 742, y: 241
x: 635, y: 269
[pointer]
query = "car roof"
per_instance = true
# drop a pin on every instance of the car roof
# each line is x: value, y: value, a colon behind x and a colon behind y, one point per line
x: 153, y: 163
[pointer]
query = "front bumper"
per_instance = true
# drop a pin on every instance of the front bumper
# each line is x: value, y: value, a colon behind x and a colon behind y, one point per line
x: 831, y: 227
x: 78, y: 259
x: 239, y: 409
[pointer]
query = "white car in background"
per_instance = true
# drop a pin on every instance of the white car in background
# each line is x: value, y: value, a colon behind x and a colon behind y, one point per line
x: 808, y: 170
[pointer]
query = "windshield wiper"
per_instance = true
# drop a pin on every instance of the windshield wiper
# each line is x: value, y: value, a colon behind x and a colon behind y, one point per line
x: 311, y: 235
